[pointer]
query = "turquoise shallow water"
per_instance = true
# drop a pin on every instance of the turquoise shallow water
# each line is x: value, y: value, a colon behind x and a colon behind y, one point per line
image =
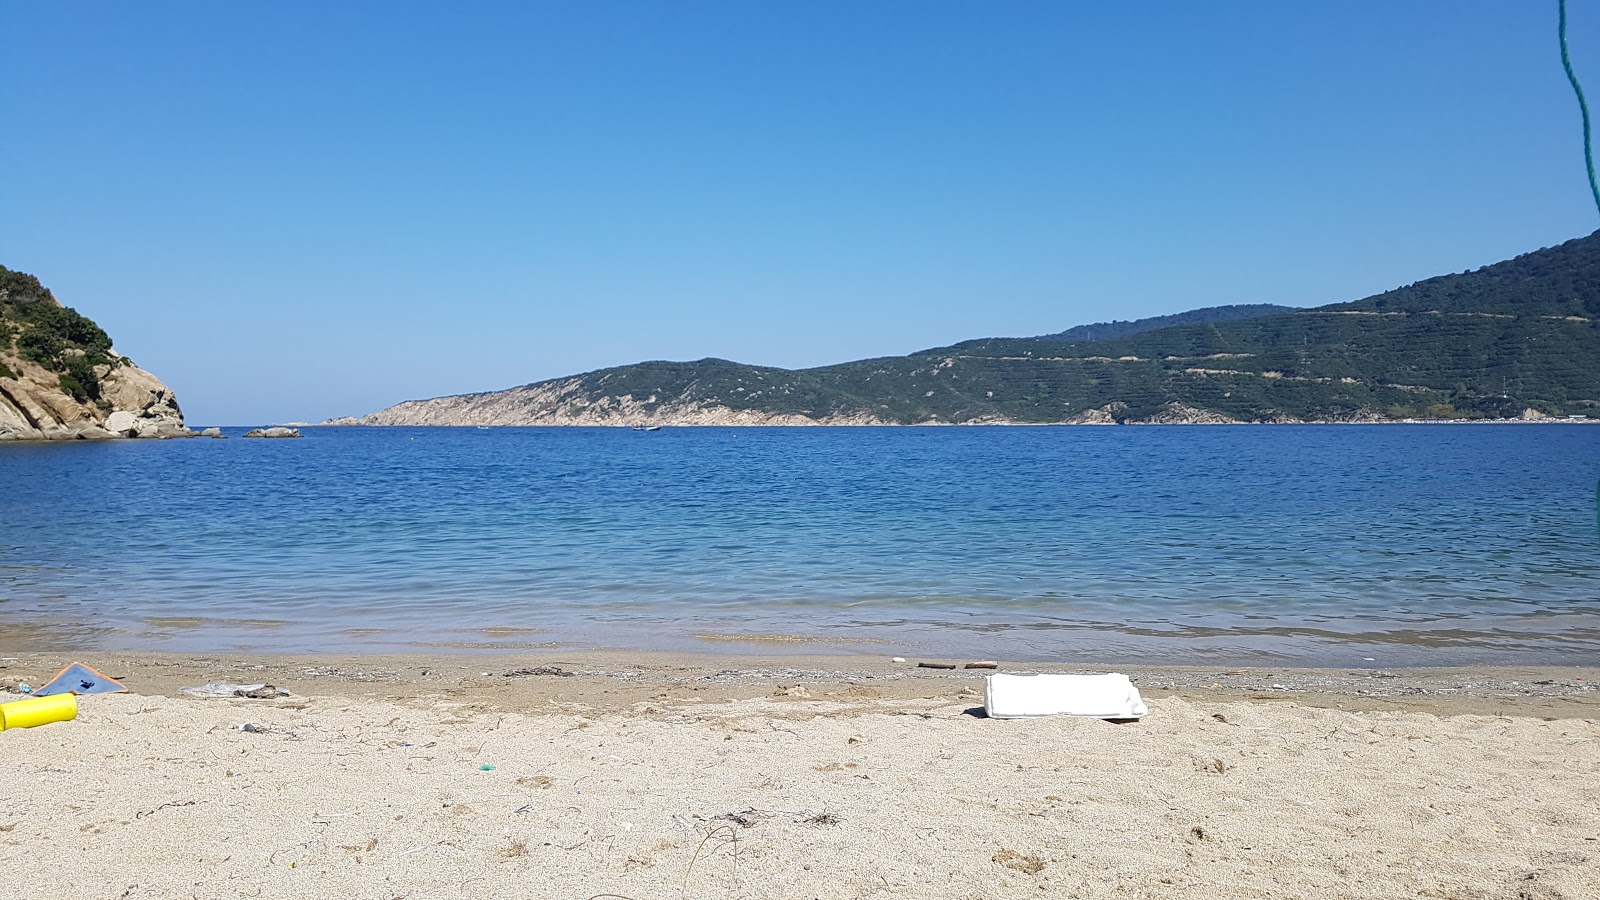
x: 1309, y: 544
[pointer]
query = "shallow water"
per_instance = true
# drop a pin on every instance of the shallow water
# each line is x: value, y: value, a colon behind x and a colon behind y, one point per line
x: 1309, y: 544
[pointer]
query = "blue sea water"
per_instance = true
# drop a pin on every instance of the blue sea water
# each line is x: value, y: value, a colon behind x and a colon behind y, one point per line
x: 1308, y: 544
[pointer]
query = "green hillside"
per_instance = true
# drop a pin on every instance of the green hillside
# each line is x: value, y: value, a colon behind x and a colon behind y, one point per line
x: 1105, y: 331
x: 34, y: 327
x: 1517, y: 335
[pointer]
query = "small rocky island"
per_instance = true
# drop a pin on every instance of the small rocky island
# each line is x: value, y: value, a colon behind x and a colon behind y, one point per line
x: 61, y: 380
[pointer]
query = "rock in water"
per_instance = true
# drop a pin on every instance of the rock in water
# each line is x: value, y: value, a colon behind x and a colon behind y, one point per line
x: 274, y: 432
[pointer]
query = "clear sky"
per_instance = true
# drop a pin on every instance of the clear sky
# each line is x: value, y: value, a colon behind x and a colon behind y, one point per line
x: 298, y: 210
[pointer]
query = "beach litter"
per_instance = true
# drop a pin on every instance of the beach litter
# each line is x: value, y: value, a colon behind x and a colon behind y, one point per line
x: 264, y: 692
x: 538, y: 670
x: 935, y: 665
x: 38, y: 711
x: 750, y: 817
x: 1108, y: 696
x: 80, y: 679
x: 227, y: 690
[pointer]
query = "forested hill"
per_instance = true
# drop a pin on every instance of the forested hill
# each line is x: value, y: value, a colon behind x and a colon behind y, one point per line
x: 1558, y: 281
x: 1105, y: 331
x: 1501, y: 341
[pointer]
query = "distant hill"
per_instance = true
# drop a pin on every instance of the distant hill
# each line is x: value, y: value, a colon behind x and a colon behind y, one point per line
x: 1105, y: 331
x: 1517, y: 338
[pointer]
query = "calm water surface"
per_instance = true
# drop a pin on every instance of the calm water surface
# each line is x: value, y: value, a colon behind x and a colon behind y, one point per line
x: 1328, y: 545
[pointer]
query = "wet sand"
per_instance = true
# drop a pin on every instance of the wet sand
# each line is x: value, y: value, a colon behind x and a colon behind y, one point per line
x: 657, y: 775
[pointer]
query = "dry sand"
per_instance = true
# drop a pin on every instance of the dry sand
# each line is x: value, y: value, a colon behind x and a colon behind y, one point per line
x: 663, y: 777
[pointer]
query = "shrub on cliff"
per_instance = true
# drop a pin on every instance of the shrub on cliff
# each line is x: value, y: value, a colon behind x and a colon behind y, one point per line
x: 19, y: 290
x: 52, y: 331
x: 54, y: 336
x: 79, y: 379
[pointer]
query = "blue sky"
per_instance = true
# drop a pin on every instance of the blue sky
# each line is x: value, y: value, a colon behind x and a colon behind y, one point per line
x: 300, y: 210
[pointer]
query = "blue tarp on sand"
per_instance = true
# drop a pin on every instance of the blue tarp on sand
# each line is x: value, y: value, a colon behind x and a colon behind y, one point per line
x: 80, y: 679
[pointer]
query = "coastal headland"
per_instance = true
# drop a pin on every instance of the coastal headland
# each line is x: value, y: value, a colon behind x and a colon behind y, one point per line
x: 605, y: 774
x: 1515, y: 340
x: 60, y: 379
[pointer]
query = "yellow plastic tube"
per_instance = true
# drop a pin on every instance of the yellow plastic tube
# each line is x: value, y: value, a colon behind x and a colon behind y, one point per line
x: 38, y: 711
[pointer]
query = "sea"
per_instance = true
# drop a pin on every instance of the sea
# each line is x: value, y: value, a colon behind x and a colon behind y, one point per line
x: 1372, y: 546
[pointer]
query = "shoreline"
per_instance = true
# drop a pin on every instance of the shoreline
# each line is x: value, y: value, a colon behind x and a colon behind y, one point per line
x: 72, y: 438
x: 214, y: 636
x: 342, y: 423
x: 613, y: 679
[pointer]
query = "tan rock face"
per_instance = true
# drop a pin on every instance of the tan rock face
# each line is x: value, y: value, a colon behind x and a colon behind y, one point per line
x: 1179, y: 414
x: 133, y: 403
x: 564, y: 402
x: 1105, y: 415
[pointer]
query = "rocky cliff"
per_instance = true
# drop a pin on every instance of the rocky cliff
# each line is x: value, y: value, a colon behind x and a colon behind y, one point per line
x: 570, y: 401
x: 132, y: 403
x: 60, y: 379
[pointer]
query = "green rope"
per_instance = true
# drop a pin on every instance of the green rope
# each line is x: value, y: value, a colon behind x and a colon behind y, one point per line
x: 1588, y: 151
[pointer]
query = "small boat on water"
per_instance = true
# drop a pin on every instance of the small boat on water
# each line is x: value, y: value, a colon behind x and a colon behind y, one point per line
x: 647, y: 428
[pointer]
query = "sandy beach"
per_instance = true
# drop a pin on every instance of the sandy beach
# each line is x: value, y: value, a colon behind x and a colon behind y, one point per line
x: 647, y: 776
